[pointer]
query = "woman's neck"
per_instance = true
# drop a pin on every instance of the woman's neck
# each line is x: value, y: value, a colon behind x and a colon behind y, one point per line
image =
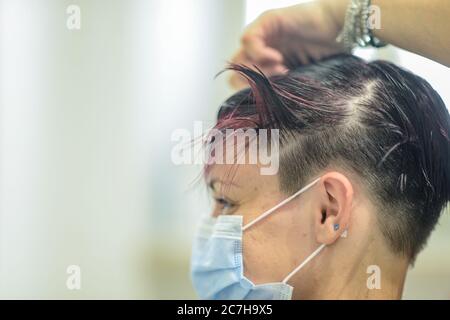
x: 371, y: 273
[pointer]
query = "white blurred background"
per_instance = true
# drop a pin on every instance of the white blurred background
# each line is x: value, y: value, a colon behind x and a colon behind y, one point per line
x: 86, y: 118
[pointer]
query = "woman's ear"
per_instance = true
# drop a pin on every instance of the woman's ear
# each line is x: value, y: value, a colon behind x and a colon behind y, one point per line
x: 333, y: 208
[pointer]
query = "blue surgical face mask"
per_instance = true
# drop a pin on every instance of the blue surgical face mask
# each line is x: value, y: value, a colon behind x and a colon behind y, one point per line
x: 217, y: 267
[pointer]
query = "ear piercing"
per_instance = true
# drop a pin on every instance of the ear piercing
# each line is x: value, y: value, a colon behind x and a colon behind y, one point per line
x: 336, y: 226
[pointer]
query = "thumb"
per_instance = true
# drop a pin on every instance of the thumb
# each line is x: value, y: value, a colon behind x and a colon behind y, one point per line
x: 258, y: 52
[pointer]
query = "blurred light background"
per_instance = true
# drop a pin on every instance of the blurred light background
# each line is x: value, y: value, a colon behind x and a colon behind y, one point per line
x: 86, y: 118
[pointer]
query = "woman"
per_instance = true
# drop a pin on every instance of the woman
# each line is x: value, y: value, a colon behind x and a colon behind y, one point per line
x: 364, y: 174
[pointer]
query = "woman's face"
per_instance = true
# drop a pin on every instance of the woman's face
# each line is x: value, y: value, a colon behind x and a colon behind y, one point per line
x: 277, y: 244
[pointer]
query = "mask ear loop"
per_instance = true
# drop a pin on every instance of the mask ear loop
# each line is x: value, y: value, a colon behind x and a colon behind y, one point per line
x: 315, y: 253
x: 282, y: 203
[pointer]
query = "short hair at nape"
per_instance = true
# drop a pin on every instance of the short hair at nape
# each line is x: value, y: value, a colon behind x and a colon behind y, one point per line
x: 383, y: 123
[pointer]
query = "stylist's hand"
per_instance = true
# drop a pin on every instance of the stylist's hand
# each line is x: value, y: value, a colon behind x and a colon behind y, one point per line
x: 282, y: 39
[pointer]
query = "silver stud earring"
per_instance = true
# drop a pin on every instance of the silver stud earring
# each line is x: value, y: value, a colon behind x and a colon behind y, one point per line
x: 336, y: 226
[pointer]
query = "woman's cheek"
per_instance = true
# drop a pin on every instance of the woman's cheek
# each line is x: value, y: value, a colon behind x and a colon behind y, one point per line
x: 259, y: 256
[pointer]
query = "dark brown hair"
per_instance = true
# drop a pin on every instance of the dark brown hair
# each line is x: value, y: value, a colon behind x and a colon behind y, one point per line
x: 383, y: 123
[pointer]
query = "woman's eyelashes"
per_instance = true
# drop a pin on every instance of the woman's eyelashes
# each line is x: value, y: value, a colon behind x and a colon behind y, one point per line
x: 224, y: 205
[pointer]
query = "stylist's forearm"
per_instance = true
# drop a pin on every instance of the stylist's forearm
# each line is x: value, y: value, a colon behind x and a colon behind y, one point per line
x: 420, y: 26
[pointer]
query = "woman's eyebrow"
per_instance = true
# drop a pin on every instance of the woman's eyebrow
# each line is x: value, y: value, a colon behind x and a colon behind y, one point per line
x: 213, y: 181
